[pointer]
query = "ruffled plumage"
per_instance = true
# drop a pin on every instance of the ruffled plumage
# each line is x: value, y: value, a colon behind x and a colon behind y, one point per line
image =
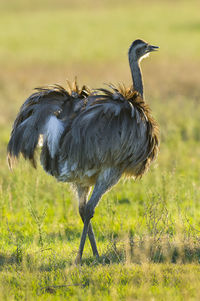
x: 46, y: 102
x: 87, y: 129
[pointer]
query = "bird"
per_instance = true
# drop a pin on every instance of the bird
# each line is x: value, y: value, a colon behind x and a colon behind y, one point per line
x: 90, y: 138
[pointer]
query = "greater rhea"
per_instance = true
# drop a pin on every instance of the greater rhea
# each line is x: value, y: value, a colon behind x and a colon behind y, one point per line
x: 89, y: 138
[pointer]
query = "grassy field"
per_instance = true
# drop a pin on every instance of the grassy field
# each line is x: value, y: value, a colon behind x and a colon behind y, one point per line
x: 148, y: 231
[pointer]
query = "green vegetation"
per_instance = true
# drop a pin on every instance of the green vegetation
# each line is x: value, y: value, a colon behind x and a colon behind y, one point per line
x: 148, y: 231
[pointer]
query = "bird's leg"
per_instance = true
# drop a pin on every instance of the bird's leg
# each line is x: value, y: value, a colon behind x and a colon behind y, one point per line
x: 90, y: 233
x: 105, y: 181
x: 82, y: 196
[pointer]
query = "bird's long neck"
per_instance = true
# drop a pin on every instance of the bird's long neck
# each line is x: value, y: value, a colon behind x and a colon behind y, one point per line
x: 136, y: 76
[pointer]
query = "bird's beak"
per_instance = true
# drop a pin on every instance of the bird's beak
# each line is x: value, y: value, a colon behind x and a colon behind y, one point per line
x: 152, y: 48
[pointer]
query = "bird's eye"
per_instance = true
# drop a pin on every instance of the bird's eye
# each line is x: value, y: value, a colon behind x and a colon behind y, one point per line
x: 138, y: 51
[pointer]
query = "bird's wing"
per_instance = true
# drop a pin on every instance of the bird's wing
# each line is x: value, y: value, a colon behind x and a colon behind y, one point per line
x: 46, y: 112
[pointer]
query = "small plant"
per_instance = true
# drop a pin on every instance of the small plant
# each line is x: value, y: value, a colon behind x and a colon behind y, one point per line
x: 39, y: 220
x: 158, y: 220
x: 159, y: 226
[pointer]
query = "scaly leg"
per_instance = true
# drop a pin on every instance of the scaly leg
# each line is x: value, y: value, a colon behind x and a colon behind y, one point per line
x: 82, y: 196
x: 105, y: 181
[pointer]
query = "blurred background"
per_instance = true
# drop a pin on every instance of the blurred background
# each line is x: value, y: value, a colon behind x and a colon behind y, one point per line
x: 46, y: 42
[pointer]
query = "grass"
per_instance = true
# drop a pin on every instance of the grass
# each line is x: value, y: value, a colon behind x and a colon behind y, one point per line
x: 51, y: 35
x: 147, y: 231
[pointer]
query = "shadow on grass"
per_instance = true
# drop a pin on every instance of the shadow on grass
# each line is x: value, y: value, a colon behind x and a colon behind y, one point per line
x: 112, y: 255
x: 116, y: 252
x: 14, y: 258
x: 139, y: 253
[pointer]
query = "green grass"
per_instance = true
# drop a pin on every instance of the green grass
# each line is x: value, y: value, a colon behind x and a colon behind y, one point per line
x: 58, y: 36
x: 147, y: 231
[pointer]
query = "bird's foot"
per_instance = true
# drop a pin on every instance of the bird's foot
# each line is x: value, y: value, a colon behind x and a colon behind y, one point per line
x: 96, y: 255
x: 97, y: 258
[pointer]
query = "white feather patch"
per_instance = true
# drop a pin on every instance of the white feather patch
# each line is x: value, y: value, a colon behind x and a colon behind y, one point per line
x: 40, y: 141
x: 52, y: 133
x: 64, y: 169
x: 90, y: 172
x: 144, y: 56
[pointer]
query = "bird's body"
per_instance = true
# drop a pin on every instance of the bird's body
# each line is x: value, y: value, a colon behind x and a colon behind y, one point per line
x: 89, y: 138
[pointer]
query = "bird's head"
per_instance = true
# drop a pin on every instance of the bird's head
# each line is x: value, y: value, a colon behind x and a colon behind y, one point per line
x: 140, y: 49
